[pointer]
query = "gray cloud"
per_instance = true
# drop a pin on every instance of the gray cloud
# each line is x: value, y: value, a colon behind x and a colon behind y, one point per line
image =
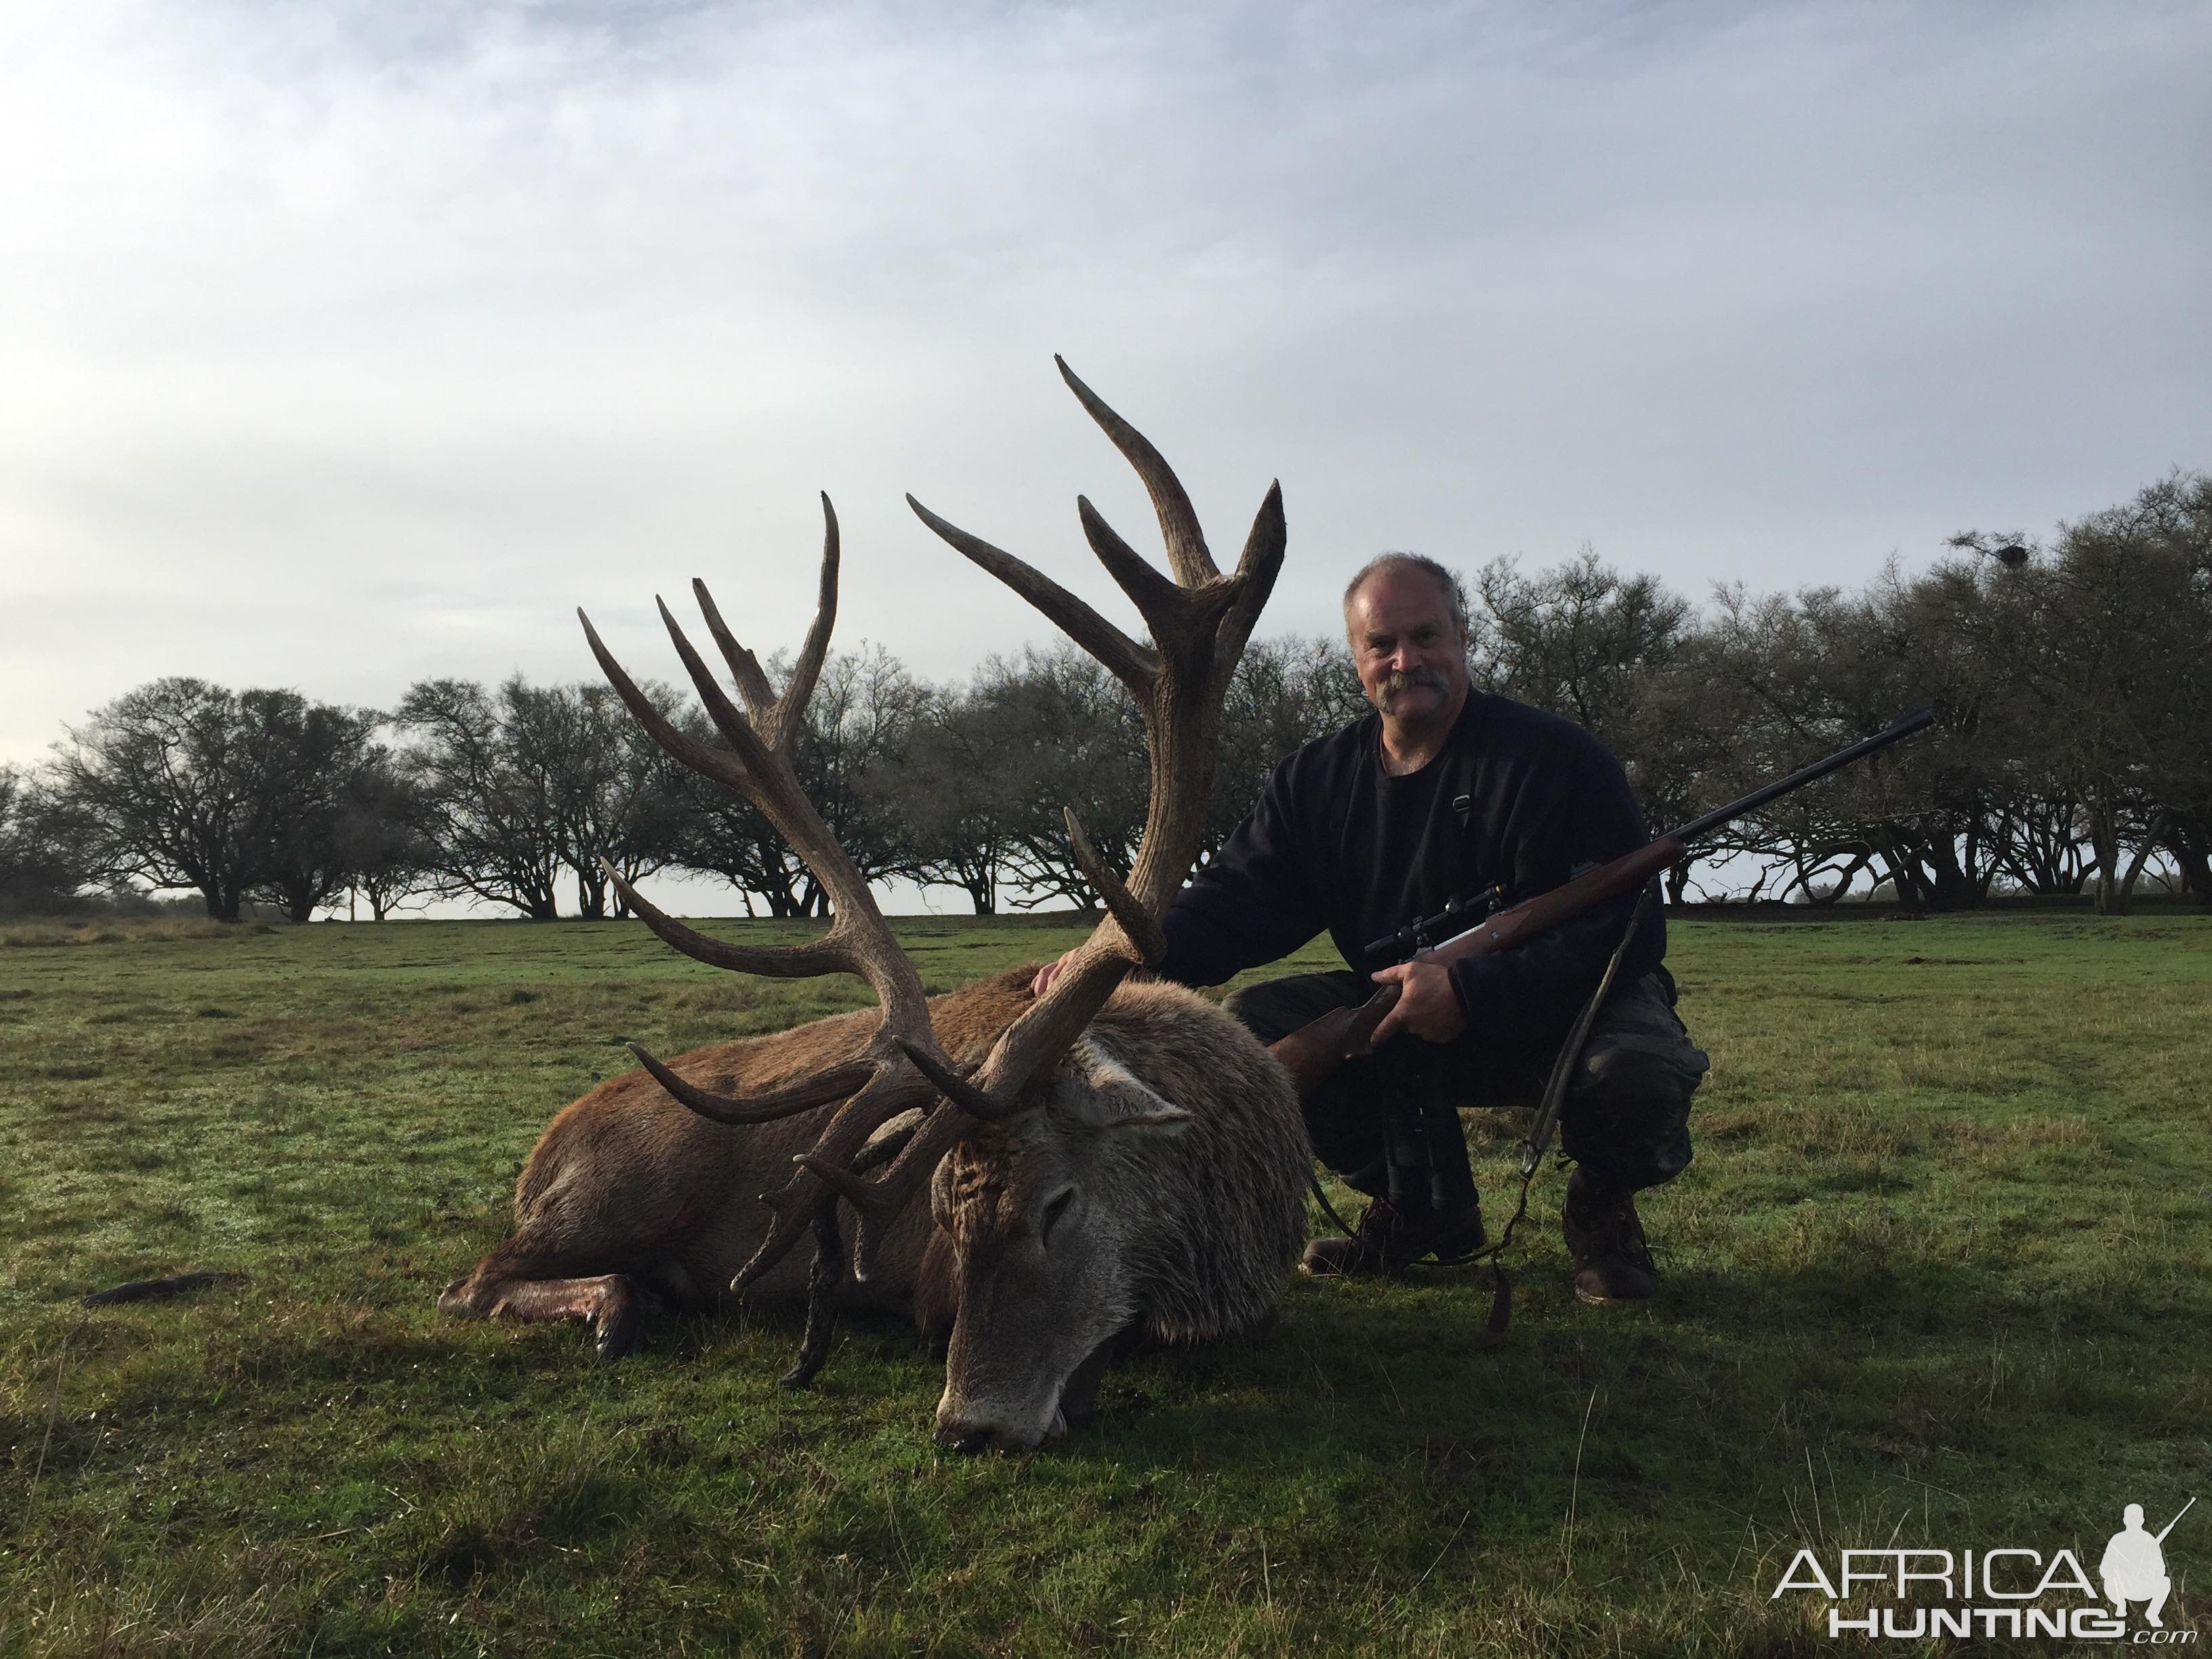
x: 352, y: 343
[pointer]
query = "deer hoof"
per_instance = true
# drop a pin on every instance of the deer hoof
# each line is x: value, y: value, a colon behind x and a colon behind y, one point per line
x: 619, y: 1337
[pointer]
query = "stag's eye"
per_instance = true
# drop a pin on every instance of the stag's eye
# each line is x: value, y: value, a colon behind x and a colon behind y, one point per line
x: 1055, y: 1208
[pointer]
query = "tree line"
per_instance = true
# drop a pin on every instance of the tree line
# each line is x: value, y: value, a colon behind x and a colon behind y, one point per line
x: 2071, y: 680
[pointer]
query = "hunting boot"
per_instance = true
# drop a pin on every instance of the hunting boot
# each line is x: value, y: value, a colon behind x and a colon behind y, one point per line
x: 1612, y: 1262
x: 1432, y: 1209
x: 1385, y: 1242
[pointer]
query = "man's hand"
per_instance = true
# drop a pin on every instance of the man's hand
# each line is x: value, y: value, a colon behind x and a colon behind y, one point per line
x: 1427, y: 1005
x: 1051, y: 971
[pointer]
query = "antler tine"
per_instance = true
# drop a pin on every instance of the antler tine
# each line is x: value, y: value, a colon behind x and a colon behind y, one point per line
x: 859, y: 940
x: 895, y: 1088
x: 1139, y: 927
x: 685, y: 749
x: 1185, y: 543
x: 1180, y: 617
x: 1031, y: 1043
x: 1040, y: 1037
x: 1135, y: 665
x: 954, y: 1085
x: 801, y: 1096
x: 826, y: 955
x: 745, y: 667
x: 879, y: 1203
x: 1034, y: 1042
x: 728, y: 718
x: 1256, y: 570
x: 800, y: 687
x: 775, y: 717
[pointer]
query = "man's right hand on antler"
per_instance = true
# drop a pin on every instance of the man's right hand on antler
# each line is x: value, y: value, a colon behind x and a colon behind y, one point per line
x: 1051, y: 971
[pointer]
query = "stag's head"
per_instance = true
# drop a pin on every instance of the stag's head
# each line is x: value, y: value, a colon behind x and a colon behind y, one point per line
x: 1005, y: 1148
x: 1037, y: 1214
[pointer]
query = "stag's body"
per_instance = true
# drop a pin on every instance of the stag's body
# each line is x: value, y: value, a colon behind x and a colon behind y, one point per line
x: 1187, y: 1234
x: 628, y: 1184
x: 1142, y: 1110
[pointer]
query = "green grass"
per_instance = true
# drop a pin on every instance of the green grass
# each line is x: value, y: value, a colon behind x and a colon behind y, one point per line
x: 1939, y: 1274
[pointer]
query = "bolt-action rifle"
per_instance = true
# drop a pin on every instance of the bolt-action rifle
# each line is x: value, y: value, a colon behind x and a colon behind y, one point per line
x: 1313, y: 1051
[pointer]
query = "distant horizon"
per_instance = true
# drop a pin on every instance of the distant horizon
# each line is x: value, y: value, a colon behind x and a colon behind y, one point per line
x: 668, y: 666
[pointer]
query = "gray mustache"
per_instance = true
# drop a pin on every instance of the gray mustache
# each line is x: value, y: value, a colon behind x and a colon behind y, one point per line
x: 1431, y: 677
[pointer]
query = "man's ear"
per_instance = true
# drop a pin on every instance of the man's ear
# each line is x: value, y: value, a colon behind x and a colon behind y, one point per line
x: 1109, y: 1096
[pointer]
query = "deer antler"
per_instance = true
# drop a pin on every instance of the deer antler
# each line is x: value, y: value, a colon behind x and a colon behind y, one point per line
x: 1199, y: 623
x: 757, y: 765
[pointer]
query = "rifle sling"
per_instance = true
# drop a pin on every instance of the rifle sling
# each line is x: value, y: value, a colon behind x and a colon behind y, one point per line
x: 1532, y: 1149
x: 1546, y: 1120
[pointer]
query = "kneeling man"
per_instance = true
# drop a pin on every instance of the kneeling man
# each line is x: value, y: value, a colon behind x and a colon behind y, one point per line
x: 1445, y: 793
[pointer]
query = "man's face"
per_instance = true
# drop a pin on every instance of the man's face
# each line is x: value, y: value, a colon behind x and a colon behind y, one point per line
x: 1410, y: 655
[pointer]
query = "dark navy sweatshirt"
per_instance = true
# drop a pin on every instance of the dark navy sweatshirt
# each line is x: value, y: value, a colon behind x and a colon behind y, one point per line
x: 1517, y: 798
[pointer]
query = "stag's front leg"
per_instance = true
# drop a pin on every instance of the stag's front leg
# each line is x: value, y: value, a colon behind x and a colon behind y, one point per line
x: 609, y: 1305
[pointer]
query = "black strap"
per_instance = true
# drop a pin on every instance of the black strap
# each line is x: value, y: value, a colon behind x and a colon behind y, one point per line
x: 1534, y: 1147
x: 1546, y: 1120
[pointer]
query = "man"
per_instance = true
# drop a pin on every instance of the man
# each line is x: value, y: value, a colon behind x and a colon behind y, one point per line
x: 1441, y: 794
x: 2134, y: 1568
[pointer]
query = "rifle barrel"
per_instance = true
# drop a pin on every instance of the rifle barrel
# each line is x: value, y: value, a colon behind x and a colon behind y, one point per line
x: 2176, y: 1522
x: 1902, y: 727
x: 1315, y: 1049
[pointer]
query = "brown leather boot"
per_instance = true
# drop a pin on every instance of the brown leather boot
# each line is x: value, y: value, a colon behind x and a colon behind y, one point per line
x: 1612, y: 1261
x: 1385, y: 1242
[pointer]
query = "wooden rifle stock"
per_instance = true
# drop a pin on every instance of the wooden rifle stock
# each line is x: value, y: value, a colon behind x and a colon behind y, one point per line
x: 1312, y: 1052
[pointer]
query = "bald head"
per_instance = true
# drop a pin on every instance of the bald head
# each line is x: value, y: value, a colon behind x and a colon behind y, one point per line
x: 1448, y: 584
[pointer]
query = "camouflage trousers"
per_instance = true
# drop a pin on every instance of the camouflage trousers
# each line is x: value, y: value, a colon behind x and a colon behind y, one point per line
x: 1380, y: 1122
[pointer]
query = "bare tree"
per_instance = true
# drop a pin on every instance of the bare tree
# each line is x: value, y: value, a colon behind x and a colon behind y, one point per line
x: 41, y: 872
x: 1075, y: 738
x: 614, y: 792
x: 487, y: 806
x: 160, y: 784
x: 851, y: 742
x: 389, y: 857
x: 1287, y: 692
x: 520, y: 789
x: 2111, y: 628
x: 311, y: 759
x: 1576, y: 640
x: 181, y: 783
x: 960, y: 788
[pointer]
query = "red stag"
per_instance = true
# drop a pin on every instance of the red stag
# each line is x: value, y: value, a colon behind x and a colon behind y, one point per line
x: 1112, y: 1163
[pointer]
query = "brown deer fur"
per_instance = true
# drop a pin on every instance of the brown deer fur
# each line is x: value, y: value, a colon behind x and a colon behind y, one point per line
x: 1106, y: 1163
x: 1187, y: 1226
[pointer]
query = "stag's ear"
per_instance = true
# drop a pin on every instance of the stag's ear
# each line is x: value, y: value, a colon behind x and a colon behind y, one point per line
x: 1108, y: 1095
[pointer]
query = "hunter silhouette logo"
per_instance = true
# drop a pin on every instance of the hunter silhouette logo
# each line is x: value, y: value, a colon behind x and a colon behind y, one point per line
x: 2134, y: 1567
x: 2008, y: 1591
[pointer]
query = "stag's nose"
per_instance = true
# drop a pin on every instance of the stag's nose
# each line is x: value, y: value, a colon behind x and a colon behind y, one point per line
x: 964, y: 1438
x: 969, y: 1436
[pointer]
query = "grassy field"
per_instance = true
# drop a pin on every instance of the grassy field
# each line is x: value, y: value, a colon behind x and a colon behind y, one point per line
x: 1938, y: 1275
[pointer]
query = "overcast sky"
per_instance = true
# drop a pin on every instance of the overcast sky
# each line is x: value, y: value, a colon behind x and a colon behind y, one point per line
x: 350, y: 344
